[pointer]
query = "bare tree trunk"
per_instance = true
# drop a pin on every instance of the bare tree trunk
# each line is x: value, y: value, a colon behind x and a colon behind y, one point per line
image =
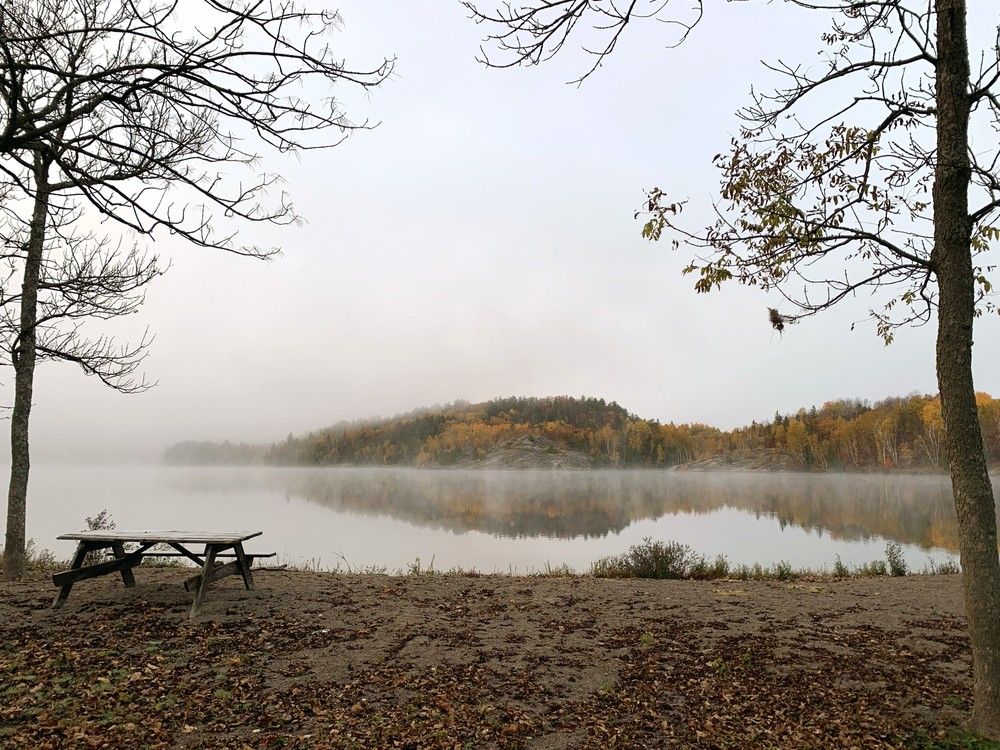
x: 952, y: 257
x: 23, y: 356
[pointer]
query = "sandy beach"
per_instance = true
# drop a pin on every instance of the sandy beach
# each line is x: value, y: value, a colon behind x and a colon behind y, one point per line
x: 323, y: 660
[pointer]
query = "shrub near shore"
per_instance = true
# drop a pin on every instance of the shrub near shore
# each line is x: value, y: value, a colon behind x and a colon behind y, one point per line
x: 673, y: 560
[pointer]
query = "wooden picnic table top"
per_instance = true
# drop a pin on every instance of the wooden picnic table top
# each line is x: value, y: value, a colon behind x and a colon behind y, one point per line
x: 179, y: 537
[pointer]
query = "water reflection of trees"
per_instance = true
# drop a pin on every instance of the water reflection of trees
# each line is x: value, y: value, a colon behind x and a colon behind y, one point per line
x: 915, y: 510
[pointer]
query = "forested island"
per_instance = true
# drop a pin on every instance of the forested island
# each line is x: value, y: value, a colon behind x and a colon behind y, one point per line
x: 898, y: 433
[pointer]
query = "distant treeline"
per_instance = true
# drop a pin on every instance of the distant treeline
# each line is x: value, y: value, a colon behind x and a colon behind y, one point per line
x: 196, y: 453
x: 895, y: 433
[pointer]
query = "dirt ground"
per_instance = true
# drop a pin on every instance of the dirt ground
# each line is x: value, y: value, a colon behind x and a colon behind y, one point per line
x: 318, y: 660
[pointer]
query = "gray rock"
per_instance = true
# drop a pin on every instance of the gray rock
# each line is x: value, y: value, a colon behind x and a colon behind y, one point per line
x: 532, y: 452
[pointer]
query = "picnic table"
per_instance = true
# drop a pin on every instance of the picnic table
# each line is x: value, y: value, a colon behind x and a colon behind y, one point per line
x: 215, y: 546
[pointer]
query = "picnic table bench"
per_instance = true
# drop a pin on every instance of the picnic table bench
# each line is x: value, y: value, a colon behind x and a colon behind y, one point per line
x: 215, y: 544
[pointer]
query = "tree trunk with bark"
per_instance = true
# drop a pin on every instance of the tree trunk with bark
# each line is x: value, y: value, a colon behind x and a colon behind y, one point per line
x: 23, y: 356
x: 952, y: 257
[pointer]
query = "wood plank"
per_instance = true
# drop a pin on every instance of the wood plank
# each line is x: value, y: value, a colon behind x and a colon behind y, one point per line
x: 182, y: 551
x: 81, y: 553
x: 228, y: 538
x: 218, y: 573
x: 244, y: 565
x: 73, y: 575
x: 199, y: 597
x: 192, y: 556
x: 127, y: 576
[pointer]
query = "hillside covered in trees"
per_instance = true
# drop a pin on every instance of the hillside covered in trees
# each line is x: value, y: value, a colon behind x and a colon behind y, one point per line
x: 895, y: 433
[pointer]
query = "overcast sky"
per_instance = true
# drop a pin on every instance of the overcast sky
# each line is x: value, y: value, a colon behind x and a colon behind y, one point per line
x: 480, y: 243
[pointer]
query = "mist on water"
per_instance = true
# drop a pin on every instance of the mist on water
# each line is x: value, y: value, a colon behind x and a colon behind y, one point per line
x: 514, y: 520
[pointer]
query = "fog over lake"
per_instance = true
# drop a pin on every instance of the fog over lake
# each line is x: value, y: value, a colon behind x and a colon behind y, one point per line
x: 509, y: 520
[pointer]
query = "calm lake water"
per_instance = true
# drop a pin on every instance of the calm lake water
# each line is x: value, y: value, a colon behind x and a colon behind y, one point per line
x: 509, y: 520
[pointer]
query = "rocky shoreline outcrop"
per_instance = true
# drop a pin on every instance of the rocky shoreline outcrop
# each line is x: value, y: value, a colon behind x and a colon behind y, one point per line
x: 532, y: 452
x: 747, y: 460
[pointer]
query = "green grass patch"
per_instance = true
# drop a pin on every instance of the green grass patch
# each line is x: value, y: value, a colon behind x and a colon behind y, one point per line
x: 960, y: 740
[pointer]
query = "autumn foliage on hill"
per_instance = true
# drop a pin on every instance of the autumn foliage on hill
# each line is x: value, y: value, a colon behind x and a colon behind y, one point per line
x: 895, y: 433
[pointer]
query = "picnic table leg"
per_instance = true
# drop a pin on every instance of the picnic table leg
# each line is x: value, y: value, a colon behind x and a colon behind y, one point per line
x: 81, y: 553
x: 210, y: 550
x: 244, y: 566
x: 127, y: 576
